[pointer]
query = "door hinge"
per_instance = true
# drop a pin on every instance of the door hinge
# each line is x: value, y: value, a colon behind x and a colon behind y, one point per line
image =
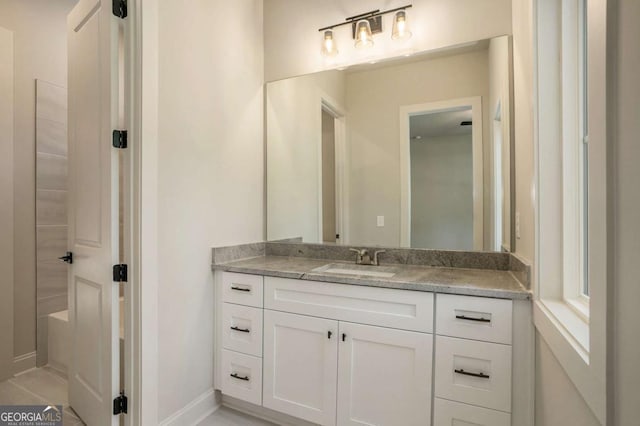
x: 120, y: 404
x: 120, y: 273
x: 120, y: 139
x: 120, y: 8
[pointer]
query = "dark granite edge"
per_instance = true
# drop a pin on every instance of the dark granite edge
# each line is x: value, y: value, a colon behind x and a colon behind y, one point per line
x: 521, y: 270
x: 394, y: 255
x: 468, y: 290
x: 237, y: 252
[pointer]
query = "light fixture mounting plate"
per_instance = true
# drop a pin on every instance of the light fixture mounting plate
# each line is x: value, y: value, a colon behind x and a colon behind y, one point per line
x: 374, y: 21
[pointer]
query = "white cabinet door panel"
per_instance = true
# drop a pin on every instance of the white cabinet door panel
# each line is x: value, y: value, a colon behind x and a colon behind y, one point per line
x: 242, y: 329
x: 450, y: 413
x: 242, y: 289
x: 384, y: 376
x: 402, y: 309
x: 242, y: 376
x: 300, y: 366
x: 473, y: 372
x: 477, y: 318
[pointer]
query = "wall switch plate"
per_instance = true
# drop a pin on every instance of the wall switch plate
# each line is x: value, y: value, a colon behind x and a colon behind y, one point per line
x: 518, y: 225
x: 380, y: 221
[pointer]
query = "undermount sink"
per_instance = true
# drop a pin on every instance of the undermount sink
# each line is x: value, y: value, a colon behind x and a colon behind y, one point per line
x: 362, y: 270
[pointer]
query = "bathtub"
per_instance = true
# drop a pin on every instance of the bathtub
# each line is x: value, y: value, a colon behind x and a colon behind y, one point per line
x: 58, y: 339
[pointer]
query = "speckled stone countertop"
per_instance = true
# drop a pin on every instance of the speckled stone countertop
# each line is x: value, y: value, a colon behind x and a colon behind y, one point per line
x: 473, y: 282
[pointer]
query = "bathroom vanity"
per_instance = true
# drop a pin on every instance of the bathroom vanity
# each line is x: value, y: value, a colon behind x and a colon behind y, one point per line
x: 330, y: 342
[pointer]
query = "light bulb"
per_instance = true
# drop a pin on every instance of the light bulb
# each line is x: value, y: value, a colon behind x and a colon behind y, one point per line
x: 363, y: 34
x: 329, y: 47
x: 400, y: 26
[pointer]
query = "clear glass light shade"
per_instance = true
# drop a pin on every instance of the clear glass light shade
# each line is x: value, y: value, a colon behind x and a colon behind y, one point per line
x: 400, y: 26
x: 329, y: 47
x: 363, y: 34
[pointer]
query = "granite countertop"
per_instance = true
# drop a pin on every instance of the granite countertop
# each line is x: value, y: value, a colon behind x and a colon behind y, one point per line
x: 473, y: 282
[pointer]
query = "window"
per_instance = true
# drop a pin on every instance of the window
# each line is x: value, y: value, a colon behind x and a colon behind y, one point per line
x: 571, y: 190
x: 575, y: 155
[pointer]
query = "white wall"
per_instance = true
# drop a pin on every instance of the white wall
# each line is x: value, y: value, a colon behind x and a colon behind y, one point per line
x: 292, y: 40
x: 442, y: 192
x: 209, y: 182
x: 294, y: 138
x: 6, y: 203
x: 40, y: 37
x: 624, y: 125
x: 374, y: 98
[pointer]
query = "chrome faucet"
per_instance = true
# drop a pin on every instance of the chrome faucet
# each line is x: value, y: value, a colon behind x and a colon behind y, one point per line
x: 364, y: 258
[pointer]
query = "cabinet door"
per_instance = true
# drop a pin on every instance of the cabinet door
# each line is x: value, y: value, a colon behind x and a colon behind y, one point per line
x: 300, y: 366
x: 384, y: 376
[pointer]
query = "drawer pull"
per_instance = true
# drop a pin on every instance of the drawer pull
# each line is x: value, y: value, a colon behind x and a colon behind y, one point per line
x: 462, y: 317
x: 240, y: 289
x: 466, y: 373
x: 235, y: 376
x: 243, y: 330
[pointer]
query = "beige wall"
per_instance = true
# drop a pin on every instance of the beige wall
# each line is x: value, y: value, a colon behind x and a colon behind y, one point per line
x: 292, y: 40
x: 6, y: 203
x: 294, y: 131
x: 624, y: 127
x: 40, y: 53
x: 209, y: 182
x: 558, y: 402
x: 374, y: 98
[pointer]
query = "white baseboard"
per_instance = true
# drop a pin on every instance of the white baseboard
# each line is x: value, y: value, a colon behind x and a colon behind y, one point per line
x: 24, y: 362
x: 194, y: 412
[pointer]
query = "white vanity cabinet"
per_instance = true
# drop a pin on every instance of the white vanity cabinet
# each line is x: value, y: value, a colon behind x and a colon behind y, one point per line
x: 336, y: 354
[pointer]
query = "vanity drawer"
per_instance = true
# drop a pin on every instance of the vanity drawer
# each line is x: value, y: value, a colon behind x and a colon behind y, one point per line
x: 450, y: 413
x: 403, y: 309
x: 243, y: 289
x: 242, y: 329
x: 477, y: 318
x: 242, y: 376
x: 473, y: 372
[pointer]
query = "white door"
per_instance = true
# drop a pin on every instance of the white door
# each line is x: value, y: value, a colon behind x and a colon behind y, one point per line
x: 384, y: 376
x: 93, y: 212
x: 300, y: 366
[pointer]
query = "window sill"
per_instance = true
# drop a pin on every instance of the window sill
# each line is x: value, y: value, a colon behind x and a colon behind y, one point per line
x: 564, y: 319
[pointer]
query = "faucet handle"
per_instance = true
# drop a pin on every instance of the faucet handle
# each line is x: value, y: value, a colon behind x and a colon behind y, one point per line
x: 375, y: 256
x: 360, y: 253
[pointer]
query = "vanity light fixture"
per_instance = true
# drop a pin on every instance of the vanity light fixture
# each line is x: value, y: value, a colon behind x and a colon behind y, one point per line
x: 364, y: 38
x: 364, y: 26
x: 400, y: 26
x: 329, y: 47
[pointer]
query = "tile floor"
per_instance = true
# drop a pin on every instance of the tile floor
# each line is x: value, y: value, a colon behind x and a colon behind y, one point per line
x: 227, y: 417
x: 47, y: 386
x: 39, y: 386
